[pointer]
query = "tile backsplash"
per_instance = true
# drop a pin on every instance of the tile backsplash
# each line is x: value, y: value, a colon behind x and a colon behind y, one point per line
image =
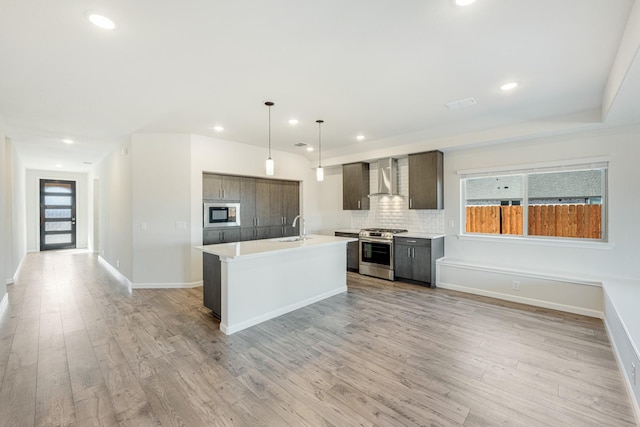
x: 393, y: 211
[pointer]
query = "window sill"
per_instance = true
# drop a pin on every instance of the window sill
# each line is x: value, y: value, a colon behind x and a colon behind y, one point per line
x: 565, y: 243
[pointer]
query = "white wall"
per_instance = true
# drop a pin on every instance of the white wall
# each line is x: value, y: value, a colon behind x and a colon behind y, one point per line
x: 620, y: 145
x: 16, y: 215
x: 161, y: 209
x: 4, y: 205
x: 32, y: 191
x: 114, y: 209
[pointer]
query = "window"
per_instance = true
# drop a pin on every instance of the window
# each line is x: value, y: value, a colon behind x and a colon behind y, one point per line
x: 549, y: 202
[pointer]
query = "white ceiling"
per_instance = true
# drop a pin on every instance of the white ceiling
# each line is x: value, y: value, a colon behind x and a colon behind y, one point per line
x: 383, y: 68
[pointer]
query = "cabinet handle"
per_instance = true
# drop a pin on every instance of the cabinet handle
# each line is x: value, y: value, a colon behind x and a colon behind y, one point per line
x: 410, y: 203
x: 409, y: 252
x: 358, y: 204
x: 257, y: 221
x: 223, y: 194
x: 411, y: 241
x: 413, y: 252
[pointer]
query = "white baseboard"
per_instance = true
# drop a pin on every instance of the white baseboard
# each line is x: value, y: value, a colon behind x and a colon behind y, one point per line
x: 4, y: 303
x: 166, y: 285
x: 523, y: 300
x: 115, y: 271
x: 228, y: 330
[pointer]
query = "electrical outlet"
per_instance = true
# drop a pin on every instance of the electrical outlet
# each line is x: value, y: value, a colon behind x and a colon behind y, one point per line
x: 516, y: 285
x: 634, y: 375
x: 118, y: 264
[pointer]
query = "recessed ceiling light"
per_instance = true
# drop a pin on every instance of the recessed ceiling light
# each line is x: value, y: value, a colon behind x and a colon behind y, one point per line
x: 463, y: 2
x: 293, y: 122
x: 68, y: 141
x: 309, y: 148
x: 360, y: 137
x: 58, y: 165
x: 101, y: 21
x: 509, y: 86
x: 218, y: 128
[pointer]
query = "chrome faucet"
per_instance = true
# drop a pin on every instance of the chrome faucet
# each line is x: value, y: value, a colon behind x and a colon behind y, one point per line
x: 303, y: 232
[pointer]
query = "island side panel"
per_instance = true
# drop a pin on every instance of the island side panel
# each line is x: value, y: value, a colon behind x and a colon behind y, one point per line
x: 257, y: 289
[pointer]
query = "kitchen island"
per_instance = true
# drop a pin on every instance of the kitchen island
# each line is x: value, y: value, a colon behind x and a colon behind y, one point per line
x: 254, y: 281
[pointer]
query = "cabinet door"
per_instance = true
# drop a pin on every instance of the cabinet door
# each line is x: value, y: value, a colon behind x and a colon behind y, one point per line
x: 230, y: 188
x: 262, y: 202
x: 290, y: 202
x: 247, y: 202
x: 218, y: 235
x: 422, y: 263
x: 263, y: 232
x: 276, y: 231
x: 275, y: 203
x: 248, y: 233
x: 230, y: 235
x: 211, y: 283
x: 355, y: 186
x: 211, y: 186
x: 211, y: 236
x: 426, y: 180
x: 403, y: 263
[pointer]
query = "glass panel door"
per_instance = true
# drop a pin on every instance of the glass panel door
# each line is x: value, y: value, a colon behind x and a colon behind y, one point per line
x: 57, y: 214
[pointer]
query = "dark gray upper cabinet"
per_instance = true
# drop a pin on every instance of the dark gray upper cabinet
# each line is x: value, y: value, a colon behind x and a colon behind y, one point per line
x: 263, y: 208
x: 275, y: 203
x: 220, y: 187
x: 267, y: 208
x: 290, y: 202
x: 426, y: 180
x: 355, y: 186
x: 247, y: 202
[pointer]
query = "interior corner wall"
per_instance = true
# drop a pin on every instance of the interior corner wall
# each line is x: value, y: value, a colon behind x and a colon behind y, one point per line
x: 619, y: 259
x: 16, y: 215
x: 32, y: 190
x: 113, y: 174
x: 4, y: 205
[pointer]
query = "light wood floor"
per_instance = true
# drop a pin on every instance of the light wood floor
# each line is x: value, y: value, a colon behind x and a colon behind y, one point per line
x: 76, y: 348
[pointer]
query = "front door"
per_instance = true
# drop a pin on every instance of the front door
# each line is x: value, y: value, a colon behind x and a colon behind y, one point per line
x: 57, y: 214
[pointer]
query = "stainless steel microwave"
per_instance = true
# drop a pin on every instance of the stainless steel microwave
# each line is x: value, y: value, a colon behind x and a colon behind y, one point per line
x: 221, y: 215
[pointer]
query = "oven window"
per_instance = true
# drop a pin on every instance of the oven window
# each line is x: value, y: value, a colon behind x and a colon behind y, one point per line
x: 376, y: 253
x: 218, y: 214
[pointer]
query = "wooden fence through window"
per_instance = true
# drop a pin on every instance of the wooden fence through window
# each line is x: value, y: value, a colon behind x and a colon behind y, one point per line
x: 583, y: 221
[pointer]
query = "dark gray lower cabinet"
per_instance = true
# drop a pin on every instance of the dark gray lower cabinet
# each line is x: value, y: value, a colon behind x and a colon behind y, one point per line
x: 211, y: 236
x: 353, y: 256
x: 285, y: 230
x: 415, y: 259
x: 211, y: 284
x: 254, y: 233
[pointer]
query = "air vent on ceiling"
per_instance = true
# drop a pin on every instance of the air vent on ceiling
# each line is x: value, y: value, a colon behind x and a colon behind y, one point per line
x: 461, y: 103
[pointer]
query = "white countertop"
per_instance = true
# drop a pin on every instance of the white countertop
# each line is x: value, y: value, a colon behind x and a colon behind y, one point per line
x: 417, y: 235
x: 255, y: 248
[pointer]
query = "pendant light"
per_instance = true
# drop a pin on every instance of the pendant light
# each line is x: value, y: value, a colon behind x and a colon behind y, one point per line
x: 320, y: 171
x: 269, y: 165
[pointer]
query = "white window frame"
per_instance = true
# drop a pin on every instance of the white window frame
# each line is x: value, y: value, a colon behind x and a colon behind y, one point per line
x: 557, y: 166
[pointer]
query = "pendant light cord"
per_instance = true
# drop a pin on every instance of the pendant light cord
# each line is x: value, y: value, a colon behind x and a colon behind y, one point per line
x: 319, y: 142
x: 269, y: 131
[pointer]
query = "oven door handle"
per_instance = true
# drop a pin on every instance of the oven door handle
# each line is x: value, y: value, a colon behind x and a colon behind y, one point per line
x: 374, y: 240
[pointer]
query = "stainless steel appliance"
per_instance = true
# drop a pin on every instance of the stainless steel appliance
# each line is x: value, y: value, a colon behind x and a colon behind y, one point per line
x: 219, y: 214
x: 376, y: 252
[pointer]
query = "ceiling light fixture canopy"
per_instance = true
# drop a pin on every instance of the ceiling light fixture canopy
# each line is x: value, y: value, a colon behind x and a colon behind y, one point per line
x: 269, y: 164
x: 509, y: 86
x: 101, y: 21
x: 463, y: 2
x: 320, y: 171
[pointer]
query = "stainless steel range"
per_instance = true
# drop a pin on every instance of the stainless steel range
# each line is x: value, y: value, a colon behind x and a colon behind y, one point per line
x: 376, y: 252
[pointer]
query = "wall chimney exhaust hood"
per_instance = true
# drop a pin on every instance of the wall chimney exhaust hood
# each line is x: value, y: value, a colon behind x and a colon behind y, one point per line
x: 387, y: 178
